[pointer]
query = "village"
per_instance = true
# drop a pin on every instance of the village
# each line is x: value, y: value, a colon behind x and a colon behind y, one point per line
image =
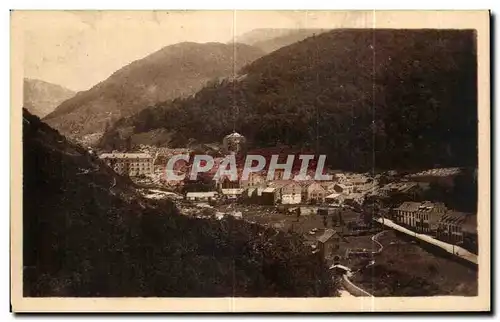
x: 337, y: 218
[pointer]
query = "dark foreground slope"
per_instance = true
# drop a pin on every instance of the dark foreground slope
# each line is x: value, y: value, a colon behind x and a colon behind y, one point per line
x: 88, y: 233
x: 367, y: 98
x: 174, y: 71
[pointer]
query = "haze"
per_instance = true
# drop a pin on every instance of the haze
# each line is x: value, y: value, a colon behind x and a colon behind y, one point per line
x: 78, y: 49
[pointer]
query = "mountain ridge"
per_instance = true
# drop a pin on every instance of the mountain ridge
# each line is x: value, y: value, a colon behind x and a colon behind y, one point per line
x: 270, y: 39
x: 174, y: 71
x: 367, y: 98
x: 41, y: 97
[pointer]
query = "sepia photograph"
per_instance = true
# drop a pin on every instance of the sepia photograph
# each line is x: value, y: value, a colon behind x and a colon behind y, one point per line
x: 250, y: 161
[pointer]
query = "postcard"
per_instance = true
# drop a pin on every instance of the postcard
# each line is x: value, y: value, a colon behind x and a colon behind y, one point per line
x: 250, y: 161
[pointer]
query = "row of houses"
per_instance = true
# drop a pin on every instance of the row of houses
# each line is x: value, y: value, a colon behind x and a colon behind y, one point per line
x: 142, y: 163
x: 295, y: 192
x: 275, y: 192
x: 343, y: 189
x: 436, y: 220
x: 353, y: 182
x: 291, y: 192
x: 458, y: 228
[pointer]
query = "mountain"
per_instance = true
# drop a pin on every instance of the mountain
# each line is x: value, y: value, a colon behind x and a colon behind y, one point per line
x: 271, y: 39
x: 368, y: 99
x: 174, y: 71
x: 88, y: 232
x: 41, y: 98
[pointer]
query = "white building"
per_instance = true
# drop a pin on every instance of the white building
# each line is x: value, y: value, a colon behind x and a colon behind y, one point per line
x: 132, y: 164
x: 201, y: 196
x: 291, y: 193
x: 232, y: 193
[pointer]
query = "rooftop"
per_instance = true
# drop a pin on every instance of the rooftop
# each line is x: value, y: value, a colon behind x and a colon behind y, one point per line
x: 232, y: 191
x: 234, y: 135
x: 357, y: 180
x: 401, y: 186
x: 439, y: 172
x: 356, y: 195
x: 419, y: 206
x: 161, y: 160
x: 470, y: 224
x: 125, y: 156
x: 468, y: 221
x: 326, y: 235
x: 314, y: 185
x: 282, y: 183
x: 201, y: 194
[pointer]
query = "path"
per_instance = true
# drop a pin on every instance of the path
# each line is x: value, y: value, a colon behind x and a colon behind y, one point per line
x: 375, y: 239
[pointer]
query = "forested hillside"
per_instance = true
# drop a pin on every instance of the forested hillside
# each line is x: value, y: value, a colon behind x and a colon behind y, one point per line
x: 174, y: 71
x: 367, y: 98
x: 41, y: 98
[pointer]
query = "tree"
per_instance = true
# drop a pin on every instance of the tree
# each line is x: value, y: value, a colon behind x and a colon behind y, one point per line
x: 128, y: 143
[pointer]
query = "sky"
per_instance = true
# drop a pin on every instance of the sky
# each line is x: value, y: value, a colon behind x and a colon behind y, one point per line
x: 78, y: 49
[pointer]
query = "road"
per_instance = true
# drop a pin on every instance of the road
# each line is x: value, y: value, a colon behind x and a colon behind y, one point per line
x: 352, y: 288
x: 452, y: 249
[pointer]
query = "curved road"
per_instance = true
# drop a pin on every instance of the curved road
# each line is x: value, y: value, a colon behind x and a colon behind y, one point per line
x: 375, y: 239
x: 357, y: 289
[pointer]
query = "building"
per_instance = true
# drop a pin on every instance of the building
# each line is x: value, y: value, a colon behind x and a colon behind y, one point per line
x: 270, y: 196
x: 279, y: 175
x: 329, y: 245
x: 163, y: 155
x: 291, y: 193
x: 406, y: 189
x: 233, y: 143
x: 334, y: 199
x: 342, y: 188
x: 328, y: 185
x: 253, y: 194
x: 254, y: 179
x: 201, y: 196
x: 354, y: 199
x: 458, y: 228
x: 227, y: 183
x: 357, y: 182
x: 313, y: 192
x: 364, y: 188
x: 421, y: 216
x: 160, y: 163
x: 232, y: 193
x: 469, y: 231
x: 131, y: 164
